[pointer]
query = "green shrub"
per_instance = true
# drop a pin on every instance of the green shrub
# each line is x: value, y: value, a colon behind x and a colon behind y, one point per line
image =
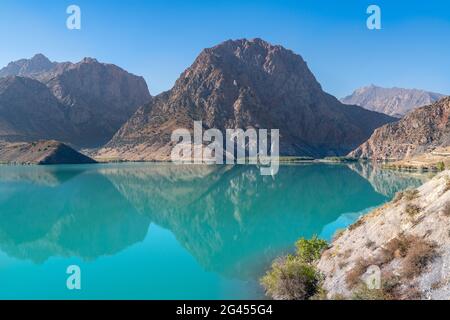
x: 291, y: 279
x: 310, y: 250
x: 440, y: 166
x: 295, y: 277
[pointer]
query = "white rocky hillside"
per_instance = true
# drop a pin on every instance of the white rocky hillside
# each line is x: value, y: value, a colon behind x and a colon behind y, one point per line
x: 408, y: 239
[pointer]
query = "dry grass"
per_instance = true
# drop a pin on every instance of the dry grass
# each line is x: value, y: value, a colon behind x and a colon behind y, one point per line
x: 338, y: 297
x: 411, y: 194
x: 419, y: 255
x: 370, y: 244
x: 447, y: 184
x: 412, y: 210
x: 438, y: 285
x: 356, y: 224
x: 414, y: 254
x: 390, y: 290
x: 398, y: 197
x: 353, y: 276
x: 446, y: 210
x: 338, y: 234
x: 397, y: 248
x: 342, y: 264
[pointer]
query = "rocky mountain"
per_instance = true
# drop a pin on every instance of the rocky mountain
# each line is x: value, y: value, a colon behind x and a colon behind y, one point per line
x: 395, y: 102
x: 100, y: 99
x: 29, y: 111
x: 243, y: 84
x: 421, y: 131
x: 40, y: 152
x: 89, y: 100
x: 33, y: 67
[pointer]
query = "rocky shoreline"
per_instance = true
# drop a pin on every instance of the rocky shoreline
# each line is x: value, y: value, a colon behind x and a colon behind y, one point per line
x: 400, y: 251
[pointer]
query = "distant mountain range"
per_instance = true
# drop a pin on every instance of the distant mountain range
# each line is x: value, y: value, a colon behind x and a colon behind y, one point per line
x: 82, y: 104
x: 236, y: 84
x: 421, y: 131
x: 247, y: 84
x: 395, y: 102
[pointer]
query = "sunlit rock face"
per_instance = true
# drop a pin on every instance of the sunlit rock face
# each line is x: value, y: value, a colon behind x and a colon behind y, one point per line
x: 421, y: 131
x: 247, y: 84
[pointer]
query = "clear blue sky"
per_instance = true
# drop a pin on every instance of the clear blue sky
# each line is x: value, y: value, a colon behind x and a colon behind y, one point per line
x: 159, y: 39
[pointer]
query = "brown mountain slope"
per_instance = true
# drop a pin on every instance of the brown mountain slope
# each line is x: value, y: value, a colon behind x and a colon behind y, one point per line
x: 242, y: 84
x: 35, y: 66
x: 421, y: 131
x: 41, y: 152
x: 29, y: 111
x: 95, y: 98
x: 101, y: 98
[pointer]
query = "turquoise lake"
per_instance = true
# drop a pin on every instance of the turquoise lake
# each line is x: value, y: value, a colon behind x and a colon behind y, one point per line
x: 162, y: 231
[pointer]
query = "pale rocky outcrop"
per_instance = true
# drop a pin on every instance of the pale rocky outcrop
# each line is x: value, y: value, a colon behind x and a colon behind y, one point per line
x: 423, y: 215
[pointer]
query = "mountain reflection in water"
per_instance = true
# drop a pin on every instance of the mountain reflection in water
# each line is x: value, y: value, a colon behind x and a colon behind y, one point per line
x: 230, y: 219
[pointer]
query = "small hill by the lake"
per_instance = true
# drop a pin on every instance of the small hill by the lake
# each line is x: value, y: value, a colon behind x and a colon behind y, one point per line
x: 40, y: 152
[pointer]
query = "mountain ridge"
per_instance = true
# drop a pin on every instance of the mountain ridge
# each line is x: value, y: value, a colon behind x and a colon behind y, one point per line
x: 246, y: 84
x: 392, y: 101
x: 94, y: 98
x: 419, y: 132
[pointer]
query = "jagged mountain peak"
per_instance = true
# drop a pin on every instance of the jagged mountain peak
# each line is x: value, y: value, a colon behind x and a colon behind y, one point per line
x: 254, y: 53
x: 28, y: 67
x: 39, y: 57
x: 91, y: 100
x: 244, y: 68
x: 242, y: 84
x: 89, y: 60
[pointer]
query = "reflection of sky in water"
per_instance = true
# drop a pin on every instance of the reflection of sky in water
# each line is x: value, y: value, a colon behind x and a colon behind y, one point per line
x: 342, y: 222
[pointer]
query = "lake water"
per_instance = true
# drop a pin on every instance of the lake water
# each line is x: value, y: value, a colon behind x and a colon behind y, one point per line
x: 161, y: 231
